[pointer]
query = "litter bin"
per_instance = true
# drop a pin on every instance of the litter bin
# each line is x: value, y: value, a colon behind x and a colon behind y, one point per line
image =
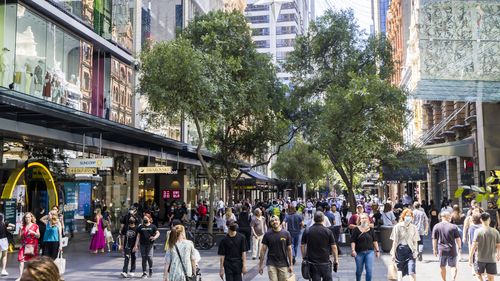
x: 384, y: 238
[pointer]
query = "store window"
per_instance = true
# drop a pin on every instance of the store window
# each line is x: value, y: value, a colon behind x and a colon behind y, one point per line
x: 7, y: 42
x: 121, y: 92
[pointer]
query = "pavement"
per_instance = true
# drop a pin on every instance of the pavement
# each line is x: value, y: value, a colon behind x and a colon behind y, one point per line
x: 83, y: 266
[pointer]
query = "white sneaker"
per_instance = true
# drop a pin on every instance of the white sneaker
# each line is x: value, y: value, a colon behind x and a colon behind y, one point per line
x: 131, y: 274
x: 4, y: 273
x: 124, y: 274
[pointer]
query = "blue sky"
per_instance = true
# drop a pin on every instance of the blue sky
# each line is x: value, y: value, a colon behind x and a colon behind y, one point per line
x: 362, y: 9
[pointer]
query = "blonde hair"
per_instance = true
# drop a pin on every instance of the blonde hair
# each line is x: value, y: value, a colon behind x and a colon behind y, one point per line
x: 229, y: 212
x: 33, y: 219
x: 41, y: 269
x: 175, y: 234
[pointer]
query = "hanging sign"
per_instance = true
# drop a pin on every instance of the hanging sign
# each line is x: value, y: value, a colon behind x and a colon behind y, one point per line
x: 155, y: 170
x: 81, y: 170
x: 91, y: 163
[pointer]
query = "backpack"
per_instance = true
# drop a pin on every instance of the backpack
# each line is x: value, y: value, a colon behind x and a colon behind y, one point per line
x: 276, y: 211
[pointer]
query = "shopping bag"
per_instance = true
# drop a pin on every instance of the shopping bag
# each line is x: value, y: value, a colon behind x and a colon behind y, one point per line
x: 93, y: 230
x: 392, y: 272
x: 291, y: 277
x: 342, y: 238
x: 64, y: 242
x: 61, y: 263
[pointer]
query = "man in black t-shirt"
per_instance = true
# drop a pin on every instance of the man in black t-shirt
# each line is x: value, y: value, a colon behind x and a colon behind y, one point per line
x: 232, y: 250
x: 129, y: 234
x: 277, y: 244
x: 318, y: 244
x: 147, y: 233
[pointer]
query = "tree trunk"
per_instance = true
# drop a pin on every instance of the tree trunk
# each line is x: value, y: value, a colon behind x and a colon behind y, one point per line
x: 351, y: 199
x: 229, y: 186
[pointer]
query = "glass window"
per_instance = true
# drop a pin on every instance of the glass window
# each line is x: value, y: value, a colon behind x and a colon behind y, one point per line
x: 258, y: 19
x: 122, y: 29
x: 287, y: 17
x: 55, y: 63
x: 102, y: 18
x: 71, y: 69
x: 260, y: 31
x: 252, y: 7
x: 262, y: 43
x: 30, y: 66
x: 7, y: 42
x: 285, y: 42
x: 286, y: 30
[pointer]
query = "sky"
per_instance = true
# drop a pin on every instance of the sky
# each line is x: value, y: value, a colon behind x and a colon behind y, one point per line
x: 362, y: 10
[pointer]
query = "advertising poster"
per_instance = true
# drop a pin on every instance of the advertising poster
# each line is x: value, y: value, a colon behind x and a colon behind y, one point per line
x: 70, y: 205
x: 84, y: 197
x: 10, y: 207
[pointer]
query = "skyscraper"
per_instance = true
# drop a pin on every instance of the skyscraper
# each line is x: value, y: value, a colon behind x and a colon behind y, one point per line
x: 379, y: 15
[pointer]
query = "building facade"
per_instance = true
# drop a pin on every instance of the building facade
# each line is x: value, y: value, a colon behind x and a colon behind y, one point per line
x: 379, y: 15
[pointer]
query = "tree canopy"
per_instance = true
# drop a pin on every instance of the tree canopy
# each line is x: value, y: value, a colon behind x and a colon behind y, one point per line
x: 353, y: 115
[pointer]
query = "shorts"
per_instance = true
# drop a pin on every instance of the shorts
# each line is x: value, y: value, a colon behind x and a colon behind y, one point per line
x: 490, y: 268
x: 450, y: 260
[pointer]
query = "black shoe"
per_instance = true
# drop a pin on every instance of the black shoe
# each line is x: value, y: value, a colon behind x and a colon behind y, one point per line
x: 293, y: 260
x: 253, y: 258
x: 150, y: 273
x: 144, y: 275
x: 419, y: 256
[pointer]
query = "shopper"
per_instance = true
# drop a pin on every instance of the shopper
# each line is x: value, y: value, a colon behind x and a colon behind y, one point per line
x: 244, y: 225
x: 180, y: 260
x: 232, y: 252
x: 147, y: 233
x: 421, y: 221
x: 364, y: 247
x: 229, y: 216
x: 277, y: 245
x: 388, y: 216
x: 319, y: 249
x: 259, y: 227
x: 434, y: 215
x: 98, y: 241
x: 445, y: 239
x: 294, y: 225
x: 354, y: 219
x: 29, y: 235
x: 129, y: 234
x: 336, y: 225
x: 41, y: 269
x: 53, y: 235
x: 4, y: 243
x: 404, y: 249
x: 487, y: 244
x: 475, y: 224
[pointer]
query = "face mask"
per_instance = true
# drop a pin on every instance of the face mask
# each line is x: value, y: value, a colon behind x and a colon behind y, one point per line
x: 365, y: 224
x: 408, y: 219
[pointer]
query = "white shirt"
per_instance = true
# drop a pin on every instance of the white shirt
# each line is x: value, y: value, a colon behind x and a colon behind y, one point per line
x: 388, y: 218
x: 326, y: 222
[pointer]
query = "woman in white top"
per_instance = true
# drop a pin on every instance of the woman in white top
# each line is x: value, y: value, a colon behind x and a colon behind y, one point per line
x: 228, y: 217
x: 180, y: 258
x: 404, y: 249
x: 388, y: 215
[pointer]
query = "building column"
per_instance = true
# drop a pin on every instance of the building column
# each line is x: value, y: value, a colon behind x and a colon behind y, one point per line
x: 134, y: 180
x: 451, y: 178
x: 460, y: 169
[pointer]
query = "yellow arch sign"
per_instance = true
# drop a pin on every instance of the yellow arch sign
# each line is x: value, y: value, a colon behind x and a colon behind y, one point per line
x: 47, y: 177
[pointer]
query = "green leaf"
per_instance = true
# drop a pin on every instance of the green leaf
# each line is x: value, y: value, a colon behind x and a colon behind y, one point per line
x: 498, y: 202
x: 490, y: 180
x: 479, y: 197
x: 458, y: 192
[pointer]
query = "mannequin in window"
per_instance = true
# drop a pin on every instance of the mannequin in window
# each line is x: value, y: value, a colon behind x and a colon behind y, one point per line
x: 47, y: 87
x: 38, y: 76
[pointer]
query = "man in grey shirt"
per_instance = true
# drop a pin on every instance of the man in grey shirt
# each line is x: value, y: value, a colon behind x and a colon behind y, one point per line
x: 487, y: 243
x: 294, y: 225
x: 421, y: 221
x: 446, y: 235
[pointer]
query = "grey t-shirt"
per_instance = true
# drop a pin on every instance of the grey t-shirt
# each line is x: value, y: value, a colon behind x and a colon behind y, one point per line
x: 487, y: 240
x: 446, y: 233
x: 258, y: 225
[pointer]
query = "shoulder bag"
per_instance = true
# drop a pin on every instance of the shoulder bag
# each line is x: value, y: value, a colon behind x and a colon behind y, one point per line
x: 305, y: 266
x: 188, y: 278
x: 29, y: 249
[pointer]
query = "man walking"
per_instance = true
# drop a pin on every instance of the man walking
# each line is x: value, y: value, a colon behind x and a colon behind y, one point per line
x: 319, y: 249
x: 294, y: 225
x: 445, y: 238
x: 277, y: 245
x: 422, y: 222
x: 487, y: 243
x: 232, y: 252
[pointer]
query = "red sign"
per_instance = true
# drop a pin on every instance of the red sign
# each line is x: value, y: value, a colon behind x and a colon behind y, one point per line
x: 171, y: 194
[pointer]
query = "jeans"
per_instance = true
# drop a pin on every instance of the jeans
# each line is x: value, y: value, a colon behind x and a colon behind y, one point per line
x: 129, y: 256
x: 364, y: 259
x: 147, y: 257
x: 295, y: 243
x: 321, y: 272
x: 256, y: 244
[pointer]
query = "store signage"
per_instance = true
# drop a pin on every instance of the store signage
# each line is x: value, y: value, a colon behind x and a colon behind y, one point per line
x: 81, y: 170
x: 10, y: 206
x: 155, y: 170
x: 91, y: 163
x: 171, y: 194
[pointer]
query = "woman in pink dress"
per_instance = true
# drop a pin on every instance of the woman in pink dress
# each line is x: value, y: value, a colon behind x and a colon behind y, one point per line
x: 29, y: 240
x: 98, y: 242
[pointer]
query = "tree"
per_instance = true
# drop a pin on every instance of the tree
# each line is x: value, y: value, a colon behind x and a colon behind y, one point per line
x: 353, y: 115
x: 213, y: 75
x: 300, y: 164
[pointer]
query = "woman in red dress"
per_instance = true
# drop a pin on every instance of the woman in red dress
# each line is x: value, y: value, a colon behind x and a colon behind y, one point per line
x: 29, y: 240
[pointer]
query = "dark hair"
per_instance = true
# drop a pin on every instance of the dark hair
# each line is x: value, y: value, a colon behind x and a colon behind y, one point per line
x: 387, y: 207
x: 476, y: 218
x: 41, y: 269
x: 319, y: 216
x: 485, y: 217
x: 132, y: 220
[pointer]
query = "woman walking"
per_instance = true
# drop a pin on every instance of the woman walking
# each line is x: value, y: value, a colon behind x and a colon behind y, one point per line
x: 434, y: 215
x: 4, y: 243
x: 364, y: 247
x: 52, y: 236
x: 229, y: 216
x: 404, y: 249
x: 388, y: 216
x: 147, y: 233
x: 180, y: 261
x: 244, y: 225
x: 29, y: 240
x: 98, y: 241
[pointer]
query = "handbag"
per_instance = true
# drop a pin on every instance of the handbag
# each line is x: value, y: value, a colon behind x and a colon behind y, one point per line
x: 392, y: 272
x: 188, y: 278
x: 61, y: 263
x: 29, y: 249
x: 306, y: 270
x: 291, y: 277
x: 93, y: 230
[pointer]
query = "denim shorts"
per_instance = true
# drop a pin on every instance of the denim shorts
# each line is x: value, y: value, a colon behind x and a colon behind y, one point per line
x: 450, y: 260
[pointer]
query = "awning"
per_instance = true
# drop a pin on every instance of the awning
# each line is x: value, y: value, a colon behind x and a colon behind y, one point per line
x: 404, y: 174
x: 463, y: 148
x: 254, y: 177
